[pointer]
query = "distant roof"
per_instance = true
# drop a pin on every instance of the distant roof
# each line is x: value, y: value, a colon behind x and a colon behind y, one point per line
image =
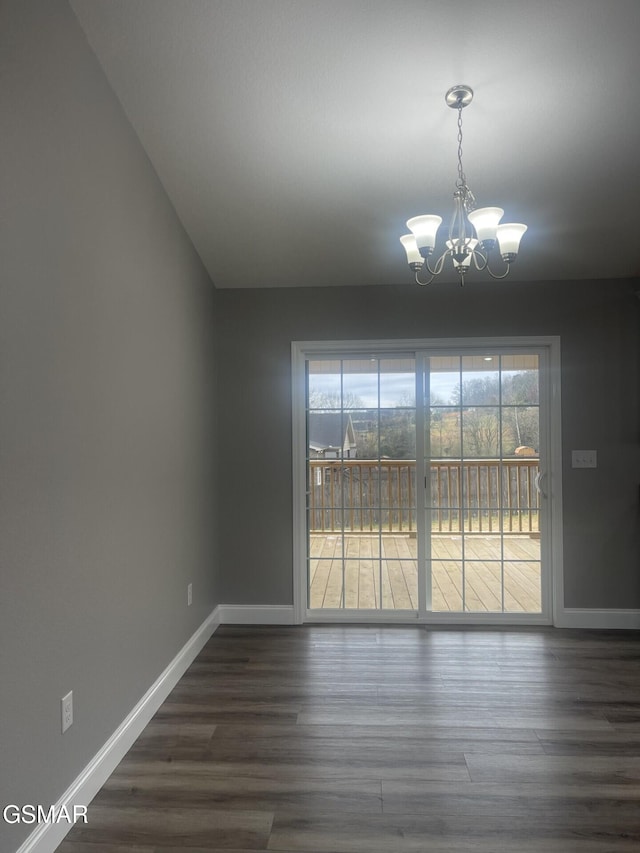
x: 329, y: 429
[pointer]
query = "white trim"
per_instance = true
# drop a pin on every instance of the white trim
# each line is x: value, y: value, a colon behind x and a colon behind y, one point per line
x: 410, y: 617
x: 406, y: 345
x: 47, y: 837
x: 578, y: 617
x: 554, y: 539
x: 553, y: 587
x: 283, y: 614
x: 299, y: 478
x: 256, y: 614
x: 423, y: 515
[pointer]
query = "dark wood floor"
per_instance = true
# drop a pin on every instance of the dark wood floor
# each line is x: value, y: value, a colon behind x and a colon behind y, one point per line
x: 351, y: 739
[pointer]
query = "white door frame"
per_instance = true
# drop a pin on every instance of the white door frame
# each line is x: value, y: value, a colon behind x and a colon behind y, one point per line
x: 552, y: 589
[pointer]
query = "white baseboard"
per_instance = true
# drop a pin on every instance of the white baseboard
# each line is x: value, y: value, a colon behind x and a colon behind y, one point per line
x: 47, y: 837
x: 282, y: 614
x: 263, y: 614
x: 577, y: 617
x: 256, y: 614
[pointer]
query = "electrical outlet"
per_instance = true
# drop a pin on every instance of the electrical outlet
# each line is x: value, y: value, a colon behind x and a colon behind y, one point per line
x: 66, y: 705
x: 584, y: 458
x: 189, y: 594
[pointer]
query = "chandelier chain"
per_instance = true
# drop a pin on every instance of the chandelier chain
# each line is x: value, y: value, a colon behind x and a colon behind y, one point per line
x: 462, y: 178
x: 468, y: 198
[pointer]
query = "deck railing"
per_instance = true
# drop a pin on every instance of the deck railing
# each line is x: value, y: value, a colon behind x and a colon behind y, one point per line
x: 474, y: 496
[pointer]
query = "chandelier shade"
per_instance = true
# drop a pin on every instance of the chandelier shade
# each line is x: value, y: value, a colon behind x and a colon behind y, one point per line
x: 473, y: 232
x: 424, y: 230
x: 486, y: 220
x: 509, y: 236
x: 411, y: 248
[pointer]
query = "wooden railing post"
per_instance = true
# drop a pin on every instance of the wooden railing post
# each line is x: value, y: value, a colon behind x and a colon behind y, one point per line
x: 470, y: 490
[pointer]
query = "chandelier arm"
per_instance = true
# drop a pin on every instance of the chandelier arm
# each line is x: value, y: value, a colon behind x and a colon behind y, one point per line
x: 496, y: 275
x: 423, y: 283
x: 437, y: 269
x: 484, y: 259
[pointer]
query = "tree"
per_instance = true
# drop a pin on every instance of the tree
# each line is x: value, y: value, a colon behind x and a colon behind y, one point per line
x: 478, y: 399
x: 333, y: 400
x: 520, y: 417
x: 480, y: 391
x: 481, y: 432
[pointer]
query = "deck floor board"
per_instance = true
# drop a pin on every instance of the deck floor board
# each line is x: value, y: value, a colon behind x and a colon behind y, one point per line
x: 390, y: 562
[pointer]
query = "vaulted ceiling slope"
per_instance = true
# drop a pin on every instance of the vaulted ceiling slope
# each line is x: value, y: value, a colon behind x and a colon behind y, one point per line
x: 295, y: 137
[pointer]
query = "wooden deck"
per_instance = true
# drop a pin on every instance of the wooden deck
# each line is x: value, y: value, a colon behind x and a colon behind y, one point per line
x: 391, y: 562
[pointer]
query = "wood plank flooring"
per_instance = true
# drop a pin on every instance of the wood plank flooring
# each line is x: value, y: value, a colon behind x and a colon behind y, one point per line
x: 394, y: 557
x: 385, y: 739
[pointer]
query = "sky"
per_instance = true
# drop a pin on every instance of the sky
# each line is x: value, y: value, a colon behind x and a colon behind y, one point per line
x: 395, y: 388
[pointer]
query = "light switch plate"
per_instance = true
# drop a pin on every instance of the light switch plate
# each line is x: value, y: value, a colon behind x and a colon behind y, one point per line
x: 66, y: 708
x: 584, y: 458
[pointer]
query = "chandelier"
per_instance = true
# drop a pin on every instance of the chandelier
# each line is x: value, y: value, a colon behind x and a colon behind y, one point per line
x: 473, y: 232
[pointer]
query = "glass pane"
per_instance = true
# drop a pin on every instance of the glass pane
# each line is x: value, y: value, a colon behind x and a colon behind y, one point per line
x: 365, y: 430
x: 325, y: 546
x: 520, y: 431
x: 522, y: 587
x: 444, y: 381
x: 324, y: 385
x: 446, y: 497
x: 481, y: 432
x: 519, y: 497
x: 397, y: 383
x: 482, y: 586
x: 370, y: 548
x: 446, y: 585
x: 400, y: 584
x: 444, y: 547
x: 351, y: 583
x: 331, y: 435
x: 446, y: 486
x: 445, y: 438
x: 482, y: 548
x: 325, y: 583
x: 399, y: 572
x: 520, y: 382
x: 480, y: 381
x: 369, y: 522
x: 360, y: 383
x: 350, y: 498
x: 369, y: 584
x: 397, y: 434
x: 525, y: 547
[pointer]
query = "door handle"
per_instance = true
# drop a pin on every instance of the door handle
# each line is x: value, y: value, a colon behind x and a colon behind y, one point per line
x: 538, y: 484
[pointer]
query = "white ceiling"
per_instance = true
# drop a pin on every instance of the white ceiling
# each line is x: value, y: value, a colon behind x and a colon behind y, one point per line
x: 295, y: 137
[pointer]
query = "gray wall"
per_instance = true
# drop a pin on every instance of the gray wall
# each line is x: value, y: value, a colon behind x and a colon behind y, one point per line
x: 106, y: 384
x: 598, y: 325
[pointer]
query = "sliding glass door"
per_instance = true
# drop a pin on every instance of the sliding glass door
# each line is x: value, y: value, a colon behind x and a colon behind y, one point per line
x: 424, y: 483
x: 361, y: 513
x: 482, y: 445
